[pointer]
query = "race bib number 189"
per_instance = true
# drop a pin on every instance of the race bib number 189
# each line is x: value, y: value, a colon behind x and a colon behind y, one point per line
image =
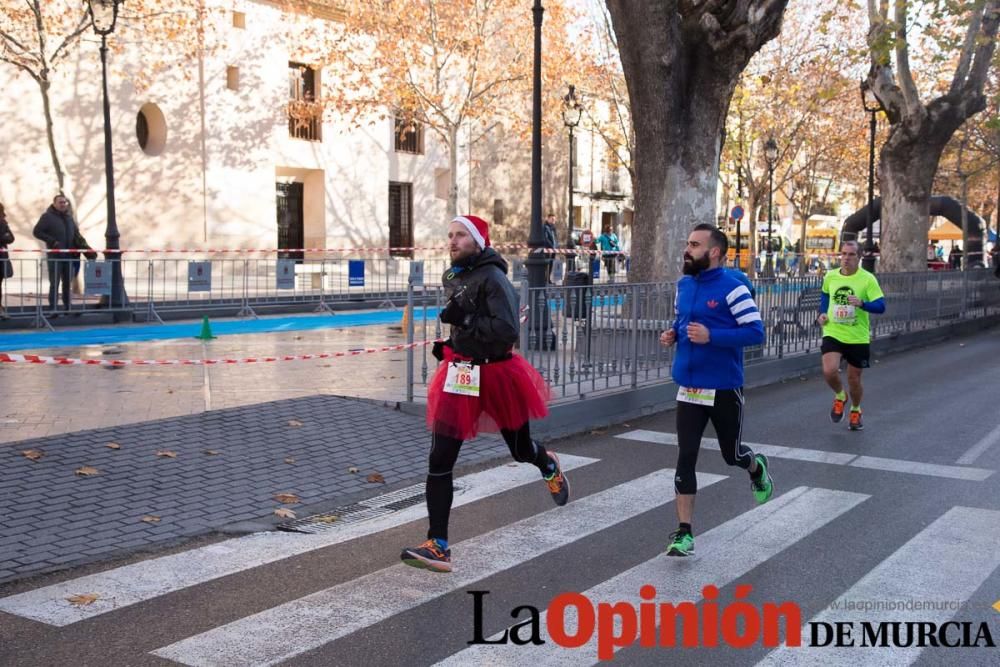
x: 462, y: 379
x: 696, y: 396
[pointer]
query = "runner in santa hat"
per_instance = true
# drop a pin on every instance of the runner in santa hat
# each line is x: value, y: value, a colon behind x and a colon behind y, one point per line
x: 480, y: 385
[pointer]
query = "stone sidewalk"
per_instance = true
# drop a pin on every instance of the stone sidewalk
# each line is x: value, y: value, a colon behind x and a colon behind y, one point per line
x: 226, y: 467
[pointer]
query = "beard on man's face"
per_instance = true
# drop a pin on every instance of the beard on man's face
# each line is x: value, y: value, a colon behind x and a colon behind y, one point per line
x: 693, y: 267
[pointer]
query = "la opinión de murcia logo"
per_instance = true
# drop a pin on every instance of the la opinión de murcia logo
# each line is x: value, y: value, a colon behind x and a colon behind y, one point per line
x: 738, y: 624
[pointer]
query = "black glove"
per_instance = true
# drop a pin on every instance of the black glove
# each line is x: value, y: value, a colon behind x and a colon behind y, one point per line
x: 438, y: 350
x: 459, y: 310
x: 452, y: 313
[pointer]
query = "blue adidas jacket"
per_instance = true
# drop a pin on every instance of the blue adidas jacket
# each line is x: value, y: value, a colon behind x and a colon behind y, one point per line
x: 721, y: 301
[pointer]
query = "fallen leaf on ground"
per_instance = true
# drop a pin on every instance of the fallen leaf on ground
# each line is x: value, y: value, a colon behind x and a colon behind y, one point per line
x: 294, y: 423
x: 170, y: 391
x: 149, y: 518
x: 284, y: 513
x: 375, y: 478
x: 166, y: 454
x: 83, y: 599
x: 627, y: 425
x: 87, y: 471
x: 289, y: 460
x: 287, y: 498
x: 113, y: 445
x: 599, y: 431
x: 353, y: 470
x: 327, y: 518
x: 212, y: 452
x: 32, y: 454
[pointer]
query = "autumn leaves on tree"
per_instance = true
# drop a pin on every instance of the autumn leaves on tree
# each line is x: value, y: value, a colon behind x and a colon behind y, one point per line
x: 456, y: 69
x: 691, y: 90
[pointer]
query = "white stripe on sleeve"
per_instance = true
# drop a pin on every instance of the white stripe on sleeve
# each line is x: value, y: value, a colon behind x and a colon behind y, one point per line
x: 736, y: 293
x: 749, y: 317
x: 741, y: 306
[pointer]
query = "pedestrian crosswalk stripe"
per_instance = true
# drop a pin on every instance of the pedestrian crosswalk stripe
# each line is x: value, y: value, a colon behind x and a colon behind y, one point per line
x: 941, y: 567
x: 835, y: 458
x: 298, y: 626
x: 978, y: 449
x: 145, y: 580
x: 723, y: 555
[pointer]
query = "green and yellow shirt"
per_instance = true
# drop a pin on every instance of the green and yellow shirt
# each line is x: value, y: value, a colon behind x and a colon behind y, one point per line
x: 846, y: 323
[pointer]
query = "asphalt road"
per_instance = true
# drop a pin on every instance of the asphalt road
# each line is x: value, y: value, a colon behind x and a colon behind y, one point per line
x: 903, y: 514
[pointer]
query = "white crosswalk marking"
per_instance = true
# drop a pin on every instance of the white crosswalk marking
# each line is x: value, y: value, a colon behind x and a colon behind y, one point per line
x: 978, y: 449
x: 149, y: 579
x: 834, y: 458
x: 290, y: 629
x: 724, y: 554
x: 941, y: 567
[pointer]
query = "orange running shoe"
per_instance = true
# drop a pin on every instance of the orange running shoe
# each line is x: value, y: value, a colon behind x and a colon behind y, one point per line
x: 837, y: 412
x: 855, y: 423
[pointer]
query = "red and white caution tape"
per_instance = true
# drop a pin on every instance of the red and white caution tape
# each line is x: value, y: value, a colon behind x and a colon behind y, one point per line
x: 7, y: 358
x: 37, y: 359
x: 253, y: 251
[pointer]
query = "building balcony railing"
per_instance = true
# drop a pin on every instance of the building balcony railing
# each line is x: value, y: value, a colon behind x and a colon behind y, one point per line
x: 305, y: 120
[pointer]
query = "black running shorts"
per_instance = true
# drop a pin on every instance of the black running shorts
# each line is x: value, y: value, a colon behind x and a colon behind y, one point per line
x: 856, y: 354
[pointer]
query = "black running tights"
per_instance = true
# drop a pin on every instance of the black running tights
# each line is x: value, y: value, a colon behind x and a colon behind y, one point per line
x: 727, y: 418
x: 444, y: 453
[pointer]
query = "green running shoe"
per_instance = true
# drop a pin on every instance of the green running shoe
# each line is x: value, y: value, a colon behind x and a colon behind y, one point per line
x: 681, y: 544
x: 763, y: 486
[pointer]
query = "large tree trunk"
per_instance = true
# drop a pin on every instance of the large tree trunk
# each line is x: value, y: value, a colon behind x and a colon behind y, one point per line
x: 907, y: 165
x: 682, y: 61
x: 919, y: 132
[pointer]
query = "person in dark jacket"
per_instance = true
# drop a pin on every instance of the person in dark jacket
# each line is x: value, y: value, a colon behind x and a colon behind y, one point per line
x: 6, y: 268
x: 716, y: 317
x: 480, y: 384
x: 955, y: 257
x: 57, y: 230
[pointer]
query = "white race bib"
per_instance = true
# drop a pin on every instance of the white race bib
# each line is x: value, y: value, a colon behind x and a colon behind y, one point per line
x: 844, y: 314
x: 462, y: 379
x: 696, y: 396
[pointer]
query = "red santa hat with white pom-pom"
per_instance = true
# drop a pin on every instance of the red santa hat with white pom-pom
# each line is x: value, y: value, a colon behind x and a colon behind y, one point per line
x: 478, y: 228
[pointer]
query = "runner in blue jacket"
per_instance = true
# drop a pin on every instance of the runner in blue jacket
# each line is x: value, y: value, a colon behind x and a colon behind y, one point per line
x: 716, y: 317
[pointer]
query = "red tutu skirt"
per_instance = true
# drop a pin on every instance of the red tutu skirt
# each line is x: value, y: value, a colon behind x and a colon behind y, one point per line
x: 511, y: 393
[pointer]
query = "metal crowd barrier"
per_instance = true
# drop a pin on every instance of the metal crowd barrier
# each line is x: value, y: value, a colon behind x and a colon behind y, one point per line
x: 169, y: 285
x: 599, y: 338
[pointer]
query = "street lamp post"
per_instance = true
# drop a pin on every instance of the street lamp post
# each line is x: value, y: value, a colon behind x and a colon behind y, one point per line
x: 572, y: 111
x: 771, y: 155
x: 103, y: 17
x: 872, y: 106
x: 537, y: 260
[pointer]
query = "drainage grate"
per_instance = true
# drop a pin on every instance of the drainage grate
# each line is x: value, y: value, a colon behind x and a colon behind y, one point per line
x: 364, y: 510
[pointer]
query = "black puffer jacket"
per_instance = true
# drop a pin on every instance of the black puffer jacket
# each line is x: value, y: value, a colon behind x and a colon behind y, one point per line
x: 481, y: 288
x: 57, y: 230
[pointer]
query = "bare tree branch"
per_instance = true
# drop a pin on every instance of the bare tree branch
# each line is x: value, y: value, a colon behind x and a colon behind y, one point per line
x: 984, y: 52
x: 965, y: 59
x: 911, y: 97
x: 70, y: 38
x: 22, y: 66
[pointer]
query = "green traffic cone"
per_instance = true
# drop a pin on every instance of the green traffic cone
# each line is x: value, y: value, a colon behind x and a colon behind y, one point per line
x: 206, y: 330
